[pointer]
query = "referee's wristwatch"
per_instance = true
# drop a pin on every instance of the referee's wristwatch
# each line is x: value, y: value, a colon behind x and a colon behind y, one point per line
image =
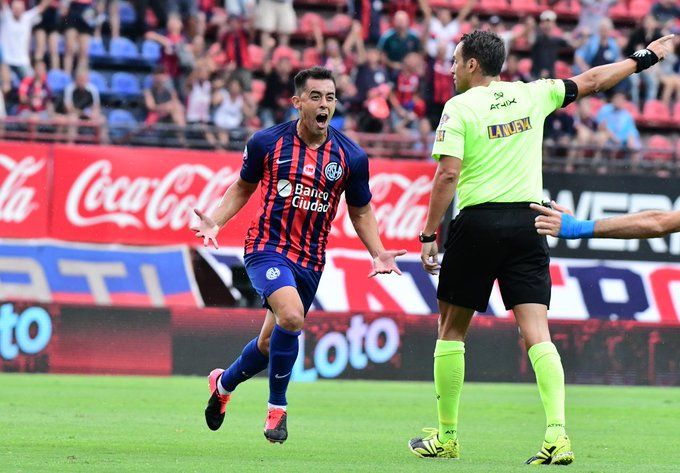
x: 427, y: 238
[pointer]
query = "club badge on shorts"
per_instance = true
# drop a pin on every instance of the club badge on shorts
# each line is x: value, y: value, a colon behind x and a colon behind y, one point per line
x: 273, y: 273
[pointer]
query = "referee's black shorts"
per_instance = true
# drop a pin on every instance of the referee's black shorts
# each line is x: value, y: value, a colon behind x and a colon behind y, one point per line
x: 495, y: 241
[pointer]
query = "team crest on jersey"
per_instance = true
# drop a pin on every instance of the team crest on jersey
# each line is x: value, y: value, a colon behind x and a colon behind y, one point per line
x: 273, y: 273
x: 333, y: 171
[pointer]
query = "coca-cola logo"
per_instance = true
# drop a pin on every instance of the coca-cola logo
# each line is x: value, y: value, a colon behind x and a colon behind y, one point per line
x: 97, y: 197
x: 399, y: 204
x: 16, y: 198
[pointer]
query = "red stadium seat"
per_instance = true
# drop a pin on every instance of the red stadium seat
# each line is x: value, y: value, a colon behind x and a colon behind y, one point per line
x: 308, y: 21
x: 524, y: 66
x: 256, y: 55
x: 310, y: 57
x: 656, y: 111
x: 494, y: 6
x: 258, y: 87
x: 659, y: 149
x: 340, y: 24
x: 520, y: 42
x: 633, y: 109
x: 595, y: 105
x: 524, y: 6
x: 639, y: 8
x: 285, y: 51
x: 567, y: 8
x: 676, y: 114
x: 618, y: 10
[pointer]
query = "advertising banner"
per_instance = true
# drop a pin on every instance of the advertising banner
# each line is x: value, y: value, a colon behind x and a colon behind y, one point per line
x: 97, y: 274
x: 24, y: 190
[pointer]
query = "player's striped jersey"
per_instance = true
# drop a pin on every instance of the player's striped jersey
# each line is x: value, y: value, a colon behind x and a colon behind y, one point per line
x: 300, y: 190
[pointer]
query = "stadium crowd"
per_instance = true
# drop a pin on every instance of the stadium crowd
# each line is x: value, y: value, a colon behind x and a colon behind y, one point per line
x: 207, y: 73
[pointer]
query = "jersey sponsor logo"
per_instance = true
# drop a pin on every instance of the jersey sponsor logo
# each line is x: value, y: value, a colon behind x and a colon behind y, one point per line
x: 308, y: 198
x: 273, y: 273
x: 440, y: 135
x: 308, y: 170
x: 333, y: 171
x: 284, y: 187
x: 503, y: 104
x: 504, y: 130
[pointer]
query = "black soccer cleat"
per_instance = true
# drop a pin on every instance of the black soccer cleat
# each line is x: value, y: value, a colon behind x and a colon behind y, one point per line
x: 275, y: 429
x: 217, y: 404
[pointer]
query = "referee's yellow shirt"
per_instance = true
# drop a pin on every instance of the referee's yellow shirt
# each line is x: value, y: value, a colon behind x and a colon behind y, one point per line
x: 497, y: 131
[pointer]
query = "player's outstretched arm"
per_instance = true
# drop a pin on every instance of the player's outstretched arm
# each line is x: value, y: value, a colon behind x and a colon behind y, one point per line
x: 366, y: 226
x: 559, y: 222
x: 233, y: 200
x: 605, y: 77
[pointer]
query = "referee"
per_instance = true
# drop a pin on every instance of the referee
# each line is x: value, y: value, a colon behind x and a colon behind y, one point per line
x: 488, y: 145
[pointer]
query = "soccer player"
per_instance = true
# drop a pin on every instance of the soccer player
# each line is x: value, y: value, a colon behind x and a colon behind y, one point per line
x: 302, y: 167
x: 558, y: 221
x: 488, y: 145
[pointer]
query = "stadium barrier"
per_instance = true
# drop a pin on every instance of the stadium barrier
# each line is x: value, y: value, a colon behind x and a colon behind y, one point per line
x: 96, y: 340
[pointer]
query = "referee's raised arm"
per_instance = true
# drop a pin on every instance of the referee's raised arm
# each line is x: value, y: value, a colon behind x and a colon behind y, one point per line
x: 607, y: 76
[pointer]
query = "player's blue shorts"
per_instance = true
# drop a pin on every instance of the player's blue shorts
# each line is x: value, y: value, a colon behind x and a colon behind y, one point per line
x: 269, y: 271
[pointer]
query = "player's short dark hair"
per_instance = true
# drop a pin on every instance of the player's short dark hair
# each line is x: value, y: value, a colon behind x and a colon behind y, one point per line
x: 316, y: 72
x: 487, y: 48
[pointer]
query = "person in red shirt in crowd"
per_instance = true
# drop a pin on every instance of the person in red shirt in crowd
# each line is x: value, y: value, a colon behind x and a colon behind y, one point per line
x: 512, y: 72
x: 80, y: 17
x: 35, y: 97
x: 441, y: 83
x: 231, y: 51
x: 406, y: 98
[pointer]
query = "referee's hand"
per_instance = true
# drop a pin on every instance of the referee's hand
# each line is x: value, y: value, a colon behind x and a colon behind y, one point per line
x: 429, y: 255
x: 550, y: 220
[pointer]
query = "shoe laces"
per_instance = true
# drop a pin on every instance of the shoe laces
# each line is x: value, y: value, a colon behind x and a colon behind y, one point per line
x: 432, y: 433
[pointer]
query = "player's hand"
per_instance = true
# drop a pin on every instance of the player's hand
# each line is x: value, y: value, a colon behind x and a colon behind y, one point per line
x: 385, y: 263
x: 550, y: 220
x: 662, y: 47
x: 206, y: 229
x: 429, y: 255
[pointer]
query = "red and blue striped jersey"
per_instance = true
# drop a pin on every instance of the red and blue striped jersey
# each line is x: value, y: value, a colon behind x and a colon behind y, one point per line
x: 300, y: 190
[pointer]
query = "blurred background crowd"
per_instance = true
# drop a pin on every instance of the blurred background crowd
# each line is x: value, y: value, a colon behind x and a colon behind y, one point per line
x: 207, y: 73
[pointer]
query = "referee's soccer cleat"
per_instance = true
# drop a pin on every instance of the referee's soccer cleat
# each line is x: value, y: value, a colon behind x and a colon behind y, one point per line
x: 217, y: 404
x: 275, y: 429
x: 558, y: 452
x: 431, y: 447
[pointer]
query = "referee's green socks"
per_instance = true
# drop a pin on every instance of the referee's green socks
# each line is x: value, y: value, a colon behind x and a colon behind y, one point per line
x: 449, y: 371
x: 550, y: 379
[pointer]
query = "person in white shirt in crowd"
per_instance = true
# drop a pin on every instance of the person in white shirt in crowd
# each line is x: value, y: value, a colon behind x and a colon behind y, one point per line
x: 198, y: 92
x: 231, y: 108
x: 443, y: 28
x: 16, y: 25
x: 276, y: 16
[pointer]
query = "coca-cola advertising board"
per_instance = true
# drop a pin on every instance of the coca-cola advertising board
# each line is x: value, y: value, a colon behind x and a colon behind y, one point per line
x: 147, y: 196
x: 24, y: 189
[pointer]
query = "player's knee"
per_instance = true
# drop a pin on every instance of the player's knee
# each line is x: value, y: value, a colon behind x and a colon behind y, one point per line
x: 291, y: 318
x: 263, y: 345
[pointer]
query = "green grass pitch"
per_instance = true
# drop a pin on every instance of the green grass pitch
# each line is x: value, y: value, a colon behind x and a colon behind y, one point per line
x: 80, y: 423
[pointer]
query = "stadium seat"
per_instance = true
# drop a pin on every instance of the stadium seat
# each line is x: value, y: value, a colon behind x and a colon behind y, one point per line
x: 563, y: 70
x: 120, y: 123
x: 147, y: 82
x: 655, y: 111
x: 638, y: 8
x: 567, y: 8
x: 307, y: 22
x: 151, y: 51
x: 340, y: 24
x: 128, y: 15
x: 618, y: 10
x: 676, y: 114
x: 659, y: 149
x: 125, y: 84
x: 524, y: 6
x: 258, y: 87
x: 123, y: 49
x: 524, y: 66
x: 595, y: 105
x: 99, y: 81
x: 57, y: 80
x: 633, y: 109
x: 96, y: 49
x: 285, y: 51
x: 310, y: 57
x: 256, y: 55
x: 494, y: 7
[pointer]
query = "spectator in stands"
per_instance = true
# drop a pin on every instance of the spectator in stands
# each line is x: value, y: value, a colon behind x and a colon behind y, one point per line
x: 424, y: 137
x: 174, y: 53
x: 241, y: 8
x: 161, y: 100
x: 440, y: 84
x: 586, y: 132
x: 81, y: 102
x: 198, y: 91
x: 546, y: 43
x: 276, y: 16
x: 16, y: 24
x: 370, y: 71
x: 276, y: 106
x: 670, y: 78
x: 190, y: 15
x: 376, y: 110
x: 406, y: 99
x: 366, y: 17
x: 666, y: 11
x: 600, y: 49
x: 80, y: 18
x: 647, y: 32
x: 443, y: 28
x: 617, y: 125
x: 232, y: 107
x: 46, y: 34
x: 111, y: 10
x: 158, y: 7
x: 509, y: 36
x: 592, y: 14
x: 397, y: 42
x: 231, y: 51
x: 558, y: 132
x: 35, y: 96
x: 512, y: 72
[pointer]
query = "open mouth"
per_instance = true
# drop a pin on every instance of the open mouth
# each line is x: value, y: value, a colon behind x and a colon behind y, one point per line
x: 322, y: 119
